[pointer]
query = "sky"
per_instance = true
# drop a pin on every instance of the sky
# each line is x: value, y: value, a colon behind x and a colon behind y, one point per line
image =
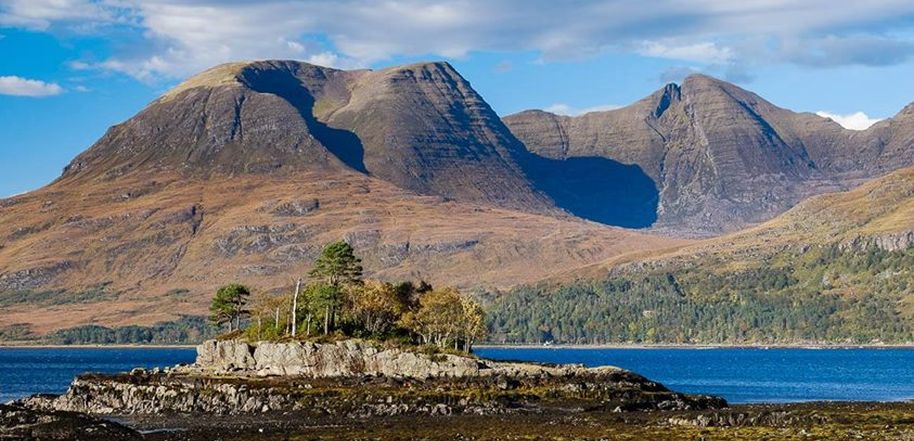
x: 69, y: 69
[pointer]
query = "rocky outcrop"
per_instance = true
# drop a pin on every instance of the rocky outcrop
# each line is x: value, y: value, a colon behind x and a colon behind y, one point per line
x: 23, y: 423
x: 886, y: 242
x: 353, y: 378
x: 350, y: 358
x: 140, y: 393
x: 342, y: 359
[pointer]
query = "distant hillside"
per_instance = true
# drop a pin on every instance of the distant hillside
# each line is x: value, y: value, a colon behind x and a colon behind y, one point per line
x: 722, y: 157
x: 838, y: 268
x: 244, y: 172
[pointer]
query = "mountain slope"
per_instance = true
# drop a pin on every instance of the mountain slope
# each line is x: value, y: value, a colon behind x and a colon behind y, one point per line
x: 419, y: 126
x: 244, y: 172
x: 720, y: 156
x: 836, y: 268
x: 159, y: 244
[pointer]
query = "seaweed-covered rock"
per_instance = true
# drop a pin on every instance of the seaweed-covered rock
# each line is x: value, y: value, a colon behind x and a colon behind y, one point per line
x: 23, y: 423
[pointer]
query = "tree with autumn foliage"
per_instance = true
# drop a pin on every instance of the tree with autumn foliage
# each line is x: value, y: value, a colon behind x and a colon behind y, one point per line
x: 339, y: 301
x: 445, y: 318
x: 376, y: 306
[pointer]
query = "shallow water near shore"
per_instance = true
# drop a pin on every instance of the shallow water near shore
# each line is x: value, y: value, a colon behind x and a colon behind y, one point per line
x: 741, y: 375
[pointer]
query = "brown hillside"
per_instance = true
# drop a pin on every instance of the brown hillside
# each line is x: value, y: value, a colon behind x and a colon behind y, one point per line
x: 165, y: 242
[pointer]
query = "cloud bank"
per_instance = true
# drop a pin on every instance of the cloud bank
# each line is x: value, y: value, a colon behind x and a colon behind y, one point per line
x: 178, y: 37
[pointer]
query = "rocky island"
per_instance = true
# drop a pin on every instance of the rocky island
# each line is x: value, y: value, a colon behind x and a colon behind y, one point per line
x: 354, y: 378
x: 348, y: 383
x: 358, y: 389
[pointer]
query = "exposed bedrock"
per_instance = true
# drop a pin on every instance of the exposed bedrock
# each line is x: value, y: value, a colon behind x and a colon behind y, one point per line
x: 355, y: 378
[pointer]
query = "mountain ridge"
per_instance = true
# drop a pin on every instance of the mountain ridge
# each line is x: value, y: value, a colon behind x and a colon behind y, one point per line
x: 722, y: 157
x: 244, y: 171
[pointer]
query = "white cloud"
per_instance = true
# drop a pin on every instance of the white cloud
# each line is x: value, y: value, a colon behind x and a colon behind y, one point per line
x: 326, y: 59
x: 41, y: 14
x: 180, y: 37
x: 853, y: 121
x: 705, y: 52
x: 18, y: 86
x: 565, y: 109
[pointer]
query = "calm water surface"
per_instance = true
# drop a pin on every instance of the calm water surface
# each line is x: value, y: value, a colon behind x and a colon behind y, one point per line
x: 27, y: 371
x: 739, y: 375
x: 753, y: 375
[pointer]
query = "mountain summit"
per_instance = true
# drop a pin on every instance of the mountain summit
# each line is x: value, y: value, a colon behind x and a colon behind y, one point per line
x: 420, y: 126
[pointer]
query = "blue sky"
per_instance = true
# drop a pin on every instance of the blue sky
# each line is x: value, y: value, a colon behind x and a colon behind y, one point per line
x: 72, y: 68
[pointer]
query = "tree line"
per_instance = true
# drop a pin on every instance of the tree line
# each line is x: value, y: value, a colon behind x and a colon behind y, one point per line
x: 335, y: 300
x: 820, y: 294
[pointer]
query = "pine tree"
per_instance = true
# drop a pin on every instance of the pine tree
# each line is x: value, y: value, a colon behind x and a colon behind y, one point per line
x: 337, y: 267
x: 228, y: 305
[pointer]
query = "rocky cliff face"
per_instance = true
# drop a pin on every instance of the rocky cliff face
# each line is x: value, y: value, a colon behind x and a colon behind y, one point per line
x: 344, y: 359
x: 357, y: 358
x: 358, y: 379
x: 721, y: 157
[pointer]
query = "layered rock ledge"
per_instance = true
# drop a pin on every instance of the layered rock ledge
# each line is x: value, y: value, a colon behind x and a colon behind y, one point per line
x: 355, y: 378
x: 358, y: 358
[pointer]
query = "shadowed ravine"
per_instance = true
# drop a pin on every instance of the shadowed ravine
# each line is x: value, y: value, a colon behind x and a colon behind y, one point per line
x: 594, y: 188
x: 345, y: 145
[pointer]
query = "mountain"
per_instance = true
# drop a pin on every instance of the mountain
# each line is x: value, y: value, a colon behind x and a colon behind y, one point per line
x: 244, y: 172
x: 421, y: 127
x: 722, y: 157
x: 837, y: 268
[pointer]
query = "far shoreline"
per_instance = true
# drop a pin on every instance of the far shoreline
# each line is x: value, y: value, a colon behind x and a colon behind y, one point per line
x: 693, y: 346
x: 705, y: 346
x: 16, y: 345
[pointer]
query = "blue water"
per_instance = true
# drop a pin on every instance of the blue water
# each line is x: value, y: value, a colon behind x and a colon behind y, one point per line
x: 739, y: 375
x: 27, y: 371
x: 752, y: 375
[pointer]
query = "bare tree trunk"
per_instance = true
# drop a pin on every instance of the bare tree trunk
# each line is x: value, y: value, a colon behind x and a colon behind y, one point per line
x: 295, y: 308
x: 308, y: 331
x: 326, y: 319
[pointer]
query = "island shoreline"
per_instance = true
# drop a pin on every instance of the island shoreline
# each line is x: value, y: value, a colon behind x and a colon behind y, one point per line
x: 699, y: 346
